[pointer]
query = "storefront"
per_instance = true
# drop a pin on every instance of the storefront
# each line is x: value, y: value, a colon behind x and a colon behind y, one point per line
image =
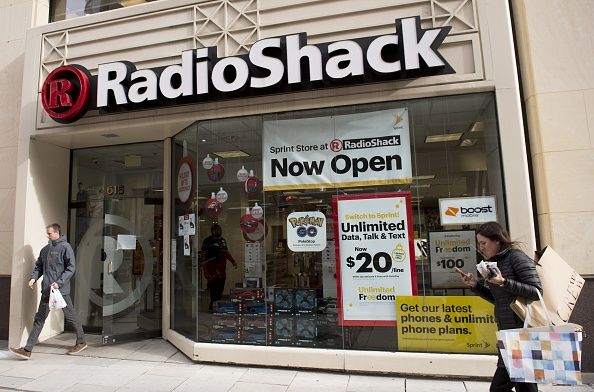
x: 345, y: 168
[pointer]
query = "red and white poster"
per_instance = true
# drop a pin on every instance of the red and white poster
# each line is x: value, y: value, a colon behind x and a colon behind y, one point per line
x: 375, y: 259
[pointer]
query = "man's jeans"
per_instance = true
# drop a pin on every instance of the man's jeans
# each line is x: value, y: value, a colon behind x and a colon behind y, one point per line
x: 70, y: 316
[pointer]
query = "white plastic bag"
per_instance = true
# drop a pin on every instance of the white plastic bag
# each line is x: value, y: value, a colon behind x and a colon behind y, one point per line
x: 56, y: 301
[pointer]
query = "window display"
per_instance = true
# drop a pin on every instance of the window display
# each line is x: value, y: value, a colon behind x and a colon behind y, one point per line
x: 331, y: 216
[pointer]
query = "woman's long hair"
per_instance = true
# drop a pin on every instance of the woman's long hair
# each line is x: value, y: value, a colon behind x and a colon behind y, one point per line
x: 495, y: 232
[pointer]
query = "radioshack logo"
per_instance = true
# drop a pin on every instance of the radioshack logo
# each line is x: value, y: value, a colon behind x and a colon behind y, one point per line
x: 467, y: 210
x: 272, y: 65
x: 65, y: 93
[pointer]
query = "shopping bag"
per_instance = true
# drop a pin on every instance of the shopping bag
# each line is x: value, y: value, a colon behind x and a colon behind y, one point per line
x: 561, y: 286
x: 56, y: 301
x: 542, y: 355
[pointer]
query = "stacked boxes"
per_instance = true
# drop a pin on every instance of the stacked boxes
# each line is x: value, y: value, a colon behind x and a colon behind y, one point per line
x: 293, y: 322
x: 295, y: 317
x: 252, y: 311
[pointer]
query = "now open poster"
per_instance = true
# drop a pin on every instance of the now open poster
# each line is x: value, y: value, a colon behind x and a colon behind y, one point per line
x: 343, y: 151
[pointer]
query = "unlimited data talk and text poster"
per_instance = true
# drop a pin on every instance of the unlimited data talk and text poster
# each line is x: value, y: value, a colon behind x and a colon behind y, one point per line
x: 375, y: 259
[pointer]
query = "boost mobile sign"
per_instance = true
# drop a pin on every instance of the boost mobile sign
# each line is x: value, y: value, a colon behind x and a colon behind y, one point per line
x: 467, y: 210
x: 286, y: 63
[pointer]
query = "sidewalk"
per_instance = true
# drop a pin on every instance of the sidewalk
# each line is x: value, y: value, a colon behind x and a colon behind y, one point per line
x: 156, y: 365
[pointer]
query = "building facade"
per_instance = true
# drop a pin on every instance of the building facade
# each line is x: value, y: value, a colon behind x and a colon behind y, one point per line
x: 347, y: 152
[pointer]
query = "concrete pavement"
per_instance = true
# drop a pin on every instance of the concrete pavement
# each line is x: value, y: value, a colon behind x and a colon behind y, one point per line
x: 156, y: 365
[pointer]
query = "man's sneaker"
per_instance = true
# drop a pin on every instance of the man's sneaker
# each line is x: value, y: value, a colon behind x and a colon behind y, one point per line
x: 21, y: 352
x: 78, y: 348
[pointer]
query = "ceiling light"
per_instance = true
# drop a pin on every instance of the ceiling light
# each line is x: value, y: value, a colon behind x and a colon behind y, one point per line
x: 477, y: 126
x: 467, y: 142
x: 448, y: 137
x: 231, y: 154
x: 420, y: 185
x: 424, y: 177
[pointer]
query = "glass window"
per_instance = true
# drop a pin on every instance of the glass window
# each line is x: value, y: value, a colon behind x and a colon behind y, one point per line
x: 68, y: 9
x: 285, y: 195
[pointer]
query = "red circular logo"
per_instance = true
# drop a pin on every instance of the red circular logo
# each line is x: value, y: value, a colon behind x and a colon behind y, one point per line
x: 336, y: 145
x: 65, y: 93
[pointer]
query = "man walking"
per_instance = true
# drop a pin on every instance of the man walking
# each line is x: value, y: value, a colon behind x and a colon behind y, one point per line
x: 56, y: 265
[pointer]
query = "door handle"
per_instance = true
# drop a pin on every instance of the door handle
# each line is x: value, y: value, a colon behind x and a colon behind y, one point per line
x: 110, y: 267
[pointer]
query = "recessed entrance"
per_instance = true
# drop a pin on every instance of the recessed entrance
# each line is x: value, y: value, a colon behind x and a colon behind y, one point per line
x: 116, y: 230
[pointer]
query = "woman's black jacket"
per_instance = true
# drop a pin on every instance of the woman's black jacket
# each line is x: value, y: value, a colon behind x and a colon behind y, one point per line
x: 521, y: 279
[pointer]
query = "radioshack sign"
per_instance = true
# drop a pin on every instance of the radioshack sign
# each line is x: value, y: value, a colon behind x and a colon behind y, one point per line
x: 467, y: 210
x: 286, y: 63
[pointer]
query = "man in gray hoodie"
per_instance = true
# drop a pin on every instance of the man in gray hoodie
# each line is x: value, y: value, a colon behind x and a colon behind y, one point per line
x: 56, y: 265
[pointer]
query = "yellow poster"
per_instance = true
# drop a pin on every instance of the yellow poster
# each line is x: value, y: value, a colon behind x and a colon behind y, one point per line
x: 446, y: 324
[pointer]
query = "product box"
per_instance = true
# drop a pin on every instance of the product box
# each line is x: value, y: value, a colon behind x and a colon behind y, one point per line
x: 305, y: 301
x: 247, y: 294
x: 225, y: 307
x: 284, y: 301
x: 255, y: 337
x: 327, y: 306
x: 224, y: 336
x: 253, y: 308
x: 329, y: 333
x: 305, y: 327
x: 253, y: 322
x: 225, y: 321
x: 283, y: 330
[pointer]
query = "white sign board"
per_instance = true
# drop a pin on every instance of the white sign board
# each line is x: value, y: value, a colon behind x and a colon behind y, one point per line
x: 348, y: 150
x: 376, y: 259
x: 306, y: 231
x: 467, y: 210
x: 449, y: 249
x: 186, y: 224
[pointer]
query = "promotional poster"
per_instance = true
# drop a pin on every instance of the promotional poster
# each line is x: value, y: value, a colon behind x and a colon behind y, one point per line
x: 448, y: 324
x: 348, y: 150
x: 375, y: 256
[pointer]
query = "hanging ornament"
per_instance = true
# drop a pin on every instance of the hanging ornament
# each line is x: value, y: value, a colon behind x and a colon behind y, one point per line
x: 213, y: 207
x: 216, y: 172
x: 258, y: 234
x: 242, y: 174
x: 222, y: 195
x: 248, y: 223
x: 207, y: 162
x: 257, y: 211
x: 252, y: 184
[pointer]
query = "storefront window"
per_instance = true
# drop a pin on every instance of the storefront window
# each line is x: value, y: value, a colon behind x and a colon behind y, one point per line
x: 345, y: 224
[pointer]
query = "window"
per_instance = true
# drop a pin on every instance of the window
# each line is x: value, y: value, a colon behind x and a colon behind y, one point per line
x: 259, y: 178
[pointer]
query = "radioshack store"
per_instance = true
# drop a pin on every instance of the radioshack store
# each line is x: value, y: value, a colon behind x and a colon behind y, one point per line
x: 346, y: 159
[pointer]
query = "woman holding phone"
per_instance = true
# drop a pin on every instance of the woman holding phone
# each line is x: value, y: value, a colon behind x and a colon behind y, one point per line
x: 517, y: 276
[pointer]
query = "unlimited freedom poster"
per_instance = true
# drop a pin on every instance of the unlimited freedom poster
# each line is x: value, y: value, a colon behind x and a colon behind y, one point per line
x: 375, y: 259
x: 449, y: 250
x: 343, y: 151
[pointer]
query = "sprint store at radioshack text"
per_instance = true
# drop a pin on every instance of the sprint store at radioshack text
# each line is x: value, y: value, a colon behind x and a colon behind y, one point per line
x: 347, y: 168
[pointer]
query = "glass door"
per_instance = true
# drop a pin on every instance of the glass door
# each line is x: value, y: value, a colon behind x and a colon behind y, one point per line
x: 116, y: 231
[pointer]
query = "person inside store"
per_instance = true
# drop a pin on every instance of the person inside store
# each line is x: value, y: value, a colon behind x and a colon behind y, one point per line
x: 516, y: 276
x: 56, y: 265
x: 215, y: 255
